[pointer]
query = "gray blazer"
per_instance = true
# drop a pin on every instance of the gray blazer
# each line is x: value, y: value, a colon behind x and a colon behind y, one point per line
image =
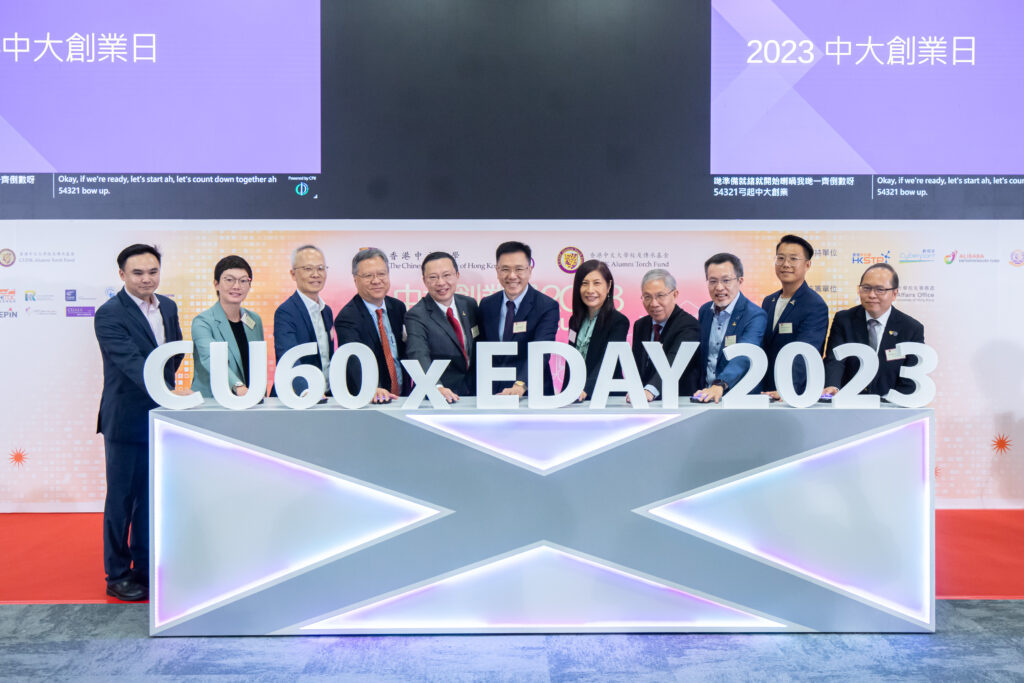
x: 431, y: 337
x: 211, y: 326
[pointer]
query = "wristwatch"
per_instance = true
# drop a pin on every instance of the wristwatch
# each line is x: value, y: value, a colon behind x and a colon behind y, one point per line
x: 234, y: 387
x: 520, y: 383
x: 721, y: 383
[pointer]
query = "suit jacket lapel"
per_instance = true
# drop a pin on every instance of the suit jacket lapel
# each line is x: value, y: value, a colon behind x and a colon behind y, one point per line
x: 224, y: 328
x: 300, y: 309
x: 787, y: 312
x: 467, y: 325
x: 525, y: 306
x: 441, y: 320
x: 369, y: 324
x: 136, y: 315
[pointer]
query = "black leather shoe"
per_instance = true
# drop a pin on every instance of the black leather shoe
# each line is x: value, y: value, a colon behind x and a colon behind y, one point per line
x: 127, y: 590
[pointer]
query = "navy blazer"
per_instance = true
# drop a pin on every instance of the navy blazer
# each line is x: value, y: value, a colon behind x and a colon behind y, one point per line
x: 355, y: 324
x: 293, y: 327
x: 807, y: 313
x: 614, y: 329
x: 432, y: 337
x: 126, y: 339
x: 747, y: 324
x: 680, y: 327
x: 851, y: 325
x: 540, y: 313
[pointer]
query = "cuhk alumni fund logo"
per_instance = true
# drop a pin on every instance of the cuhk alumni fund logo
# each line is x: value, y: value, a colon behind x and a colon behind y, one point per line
x: 7, y: 258
x: 569, y: 259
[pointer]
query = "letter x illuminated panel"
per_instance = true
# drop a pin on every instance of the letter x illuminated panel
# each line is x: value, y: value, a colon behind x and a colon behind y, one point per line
x: 391, y: 521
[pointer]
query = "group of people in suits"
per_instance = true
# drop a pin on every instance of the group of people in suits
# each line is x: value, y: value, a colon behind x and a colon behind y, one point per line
x: 445, y: 325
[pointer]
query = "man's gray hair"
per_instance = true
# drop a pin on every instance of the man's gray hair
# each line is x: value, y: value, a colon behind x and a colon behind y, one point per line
x: 366, y: 254
x: 304, y: 247
x: 658, y: 274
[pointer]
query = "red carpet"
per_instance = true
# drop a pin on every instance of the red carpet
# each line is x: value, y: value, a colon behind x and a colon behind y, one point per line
x: 52, y: 558
x: 55, y: 558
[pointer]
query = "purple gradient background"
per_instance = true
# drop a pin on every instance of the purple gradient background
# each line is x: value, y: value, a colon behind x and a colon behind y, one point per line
x: 235, y: 89
x: 927, y: 120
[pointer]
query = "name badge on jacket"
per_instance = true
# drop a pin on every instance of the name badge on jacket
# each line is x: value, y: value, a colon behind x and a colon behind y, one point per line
x: 475, y: 331
x: 572, y: 336
x: 248, y: 321
x: 785, y: 328
x: 519, y: 327
x: 730, y: 340
x: 893, y: 354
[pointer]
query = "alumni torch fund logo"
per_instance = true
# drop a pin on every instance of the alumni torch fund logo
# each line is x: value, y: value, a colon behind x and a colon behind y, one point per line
x: 7, y: 258
x: 569, y: 259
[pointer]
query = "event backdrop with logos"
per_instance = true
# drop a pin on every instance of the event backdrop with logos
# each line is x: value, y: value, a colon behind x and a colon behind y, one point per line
x: 964, y: 280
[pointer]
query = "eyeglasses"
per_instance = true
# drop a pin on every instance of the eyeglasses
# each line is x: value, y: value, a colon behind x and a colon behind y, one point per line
x: 505, y: 271
x: 879, y: 291
x: 660, y: 297
x: 370, y: 277
x: 447, y: 277
x: 231, y: 282
x: 791, y: 260
x: 725, y: 282
x: 309, y: 270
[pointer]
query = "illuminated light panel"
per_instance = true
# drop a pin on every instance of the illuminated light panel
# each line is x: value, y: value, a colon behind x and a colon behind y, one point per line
x: 241, y: 519
x: 542, y: 588
x: 544, y: 442
x: 872, y: 541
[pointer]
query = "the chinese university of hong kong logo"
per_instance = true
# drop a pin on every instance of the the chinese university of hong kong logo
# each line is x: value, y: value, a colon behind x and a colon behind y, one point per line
x: 7, y: 258
x: 870, y: 259
x: 569, y: 259
x: 950, y: 257
x: 1017, y: 258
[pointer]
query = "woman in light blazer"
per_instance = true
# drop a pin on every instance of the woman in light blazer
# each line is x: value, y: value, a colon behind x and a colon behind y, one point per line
x: 226, y: 321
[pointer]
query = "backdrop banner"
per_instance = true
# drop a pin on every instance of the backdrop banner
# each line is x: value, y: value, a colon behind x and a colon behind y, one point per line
x: 963, y: 280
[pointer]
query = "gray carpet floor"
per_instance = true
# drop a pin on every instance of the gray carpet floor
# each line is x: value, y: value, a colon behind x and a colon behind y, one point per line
x: 976, y: 641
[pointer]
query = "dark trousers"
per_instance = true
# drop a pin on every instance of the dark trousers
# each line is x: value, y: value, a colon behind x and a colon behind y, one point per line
x: 126, y: 512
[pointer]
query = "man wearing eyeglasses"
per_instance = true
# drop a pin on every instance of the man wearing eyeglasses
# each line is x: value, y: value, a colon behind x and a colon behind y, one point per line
x: 877, y: 323
x: 377, y: 320
x: 520, y: 314
x: 729, y: 318
x: 670, y: 326
x: 797, y: 313
x: 304, y: 317
x: 444, y: 326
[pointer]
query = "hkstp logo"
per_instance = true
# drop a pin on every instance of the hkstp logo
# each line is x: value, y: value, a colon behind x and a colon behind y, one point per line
x: 950, y: 257
x: 871, y: 259
x: 569, y: 259
x: 1017, y: 258
x: 7, y: 258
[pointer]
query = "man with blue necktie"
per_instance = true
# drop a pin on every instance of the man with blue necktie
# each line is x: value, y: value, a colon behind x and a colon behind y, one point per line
x: 520, y: 314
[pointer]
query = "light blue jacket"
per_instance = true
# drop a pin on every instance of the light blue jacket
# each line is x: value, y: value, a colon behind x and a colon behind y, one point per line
x: 212, y: 326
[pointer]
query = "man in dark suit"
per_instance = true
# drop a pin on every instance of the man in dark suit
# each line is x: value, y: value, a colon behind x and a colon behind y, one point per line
x: 518, y: 313
x: 796, y: 313
x: 304, y: 317
x: 729, y: 318
x: 128, y: 327
x: 377, y: 320
x: 668, y: 324
x: 444, y: 326
x: 877, y: 323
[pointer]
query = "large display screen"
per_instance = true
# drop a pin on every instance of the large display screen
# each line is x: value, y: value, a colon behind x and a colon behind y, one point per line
x: 534, y: 109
